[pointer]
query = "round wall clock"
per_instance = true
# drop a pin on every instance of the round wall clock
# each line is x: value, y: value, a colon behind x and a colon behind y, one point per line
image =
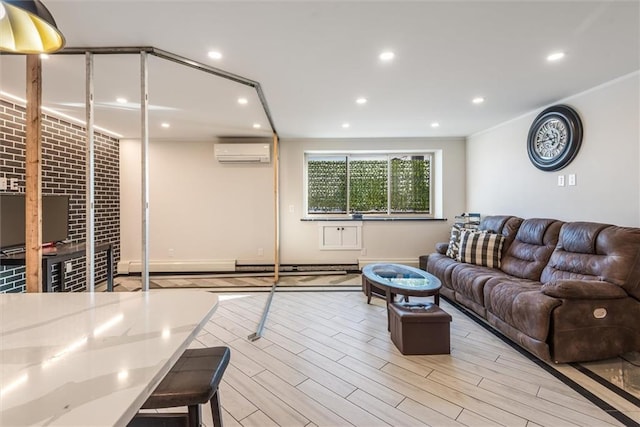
x: 554, y: 138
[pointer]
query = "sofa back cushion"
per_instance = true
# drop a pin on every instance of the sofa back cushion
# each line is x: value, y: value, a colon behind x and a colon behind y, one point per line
x: 593, y: 251
x: 506, y: 225
x: 531, y: 249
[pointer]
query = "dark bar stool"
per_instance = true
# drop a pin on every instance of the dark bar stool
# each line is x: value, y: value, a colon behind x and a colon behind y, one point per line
x: 193, y: 380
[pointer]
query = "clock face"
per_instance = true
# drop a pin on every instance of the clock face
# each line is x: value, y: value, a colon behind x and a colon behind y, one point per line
x: 554, y: 138
x: 551, y: 138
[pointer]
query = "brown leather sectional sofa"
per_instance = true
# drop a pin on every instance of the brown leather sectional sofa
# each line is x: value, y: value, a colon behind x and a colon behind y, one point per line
x: 566, y: 292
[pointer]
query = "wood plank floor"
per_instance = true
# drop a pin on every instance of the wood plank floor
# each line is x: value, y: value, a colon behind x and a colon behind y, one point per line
x: 326, y: 359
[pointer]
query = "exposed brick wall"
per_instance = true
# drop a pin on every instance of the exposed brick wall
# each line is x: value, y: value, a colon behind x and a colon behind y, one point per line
x: 63, y: 172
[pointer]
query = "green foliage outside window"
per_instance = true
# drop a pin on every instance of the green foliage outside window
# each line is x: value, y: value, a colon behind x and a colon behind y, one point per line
x: 410, y: 185
x: 369, y: 188
x: 327, y: 186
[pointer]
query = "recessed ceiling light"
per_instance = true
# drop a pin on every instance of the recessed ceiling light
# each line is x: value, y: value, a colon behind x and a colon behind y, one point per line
x: 435, y: 125
x: 361, y: 101
x: 121, y: 100
x: 214, y: 54
x: 165, y: 125
x: 346, y: 125
x: 478, y: 100
x: 386, y: 56
x: 243, y: 101
x: 556, y: 56
x: 44, y: 56
x: 257, y: 126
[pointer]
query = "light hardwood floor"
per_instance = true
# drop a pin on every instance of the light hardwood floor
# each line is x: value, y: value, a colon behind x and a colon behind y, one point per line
x: 326, y: 359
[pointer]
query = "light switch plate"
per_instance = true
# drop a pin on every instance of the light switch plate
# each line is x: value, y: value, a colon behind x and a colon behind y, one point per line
x: 560, y: 180
x: 572, y: 179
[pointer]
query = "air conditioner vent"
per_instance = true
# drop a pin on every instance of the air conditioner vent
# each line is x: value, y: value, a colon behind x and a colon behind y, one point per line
x: 243, y: 153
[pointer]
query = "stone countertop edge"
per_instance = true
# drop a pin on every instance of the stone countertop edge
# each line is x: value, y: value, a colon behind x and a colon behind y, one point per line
x: 372, y: 219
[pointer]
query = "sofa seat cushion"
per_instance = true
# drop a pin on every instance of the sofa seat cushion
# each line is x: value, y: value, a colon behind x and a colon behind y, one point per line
x: 469, y: 280
x: 523, y: 306
x: 441, y: 266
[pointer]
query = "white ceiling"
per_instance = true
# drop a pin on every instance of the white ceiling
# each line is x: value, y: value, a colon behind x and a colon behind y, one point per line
x: 314, y: 58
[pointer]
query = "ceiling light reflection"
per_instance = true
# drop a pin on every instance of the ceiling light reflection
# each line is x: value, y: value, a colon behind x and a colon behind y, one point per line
x: 166, y: 333
x: 243, y: 101
x: 108, y: 324
x: 62, y: 353
x: 60, y: 114
x: 13, y: 384
x: 478, y: 100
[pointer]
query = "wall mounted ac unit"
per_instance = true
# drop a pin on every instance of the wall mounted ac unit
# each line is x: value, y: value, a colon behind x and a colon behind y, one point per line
x: 243, y: 153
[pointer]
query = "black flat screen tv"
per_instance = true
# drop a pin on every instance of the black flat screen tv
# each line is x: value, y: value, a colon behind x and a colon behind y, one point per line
x: 55, y: 219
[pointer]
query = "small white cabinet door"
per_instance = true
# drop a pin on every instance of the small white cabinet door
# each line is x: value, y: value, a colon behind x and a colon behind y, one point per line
x: 331, y: 236
x: 350, y: 237
x: 337, y: 235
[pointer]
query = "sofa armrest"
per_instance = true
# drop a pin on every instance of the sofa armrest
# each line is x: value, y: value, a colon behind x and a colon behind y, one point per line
x: 583, y: 289
x: 441, y: 247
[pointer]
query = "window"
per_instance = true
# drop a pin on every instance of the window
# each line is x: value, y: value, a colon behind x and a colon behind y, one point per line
x: 379, y: 184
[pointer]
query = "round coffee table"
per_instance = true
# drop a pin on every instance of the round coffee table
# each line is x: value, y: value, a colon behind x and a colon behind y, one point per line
x: 397, y: 279
x: 388, y: 280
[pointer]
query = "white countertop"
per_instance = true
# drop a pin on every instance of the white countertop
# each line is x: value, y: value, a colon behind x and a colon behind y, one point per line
x: 84, y: 359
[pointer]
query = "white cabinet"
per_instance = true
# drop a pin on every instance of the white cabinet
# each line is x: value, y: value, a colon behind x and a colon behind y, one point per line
x: 340, y: 235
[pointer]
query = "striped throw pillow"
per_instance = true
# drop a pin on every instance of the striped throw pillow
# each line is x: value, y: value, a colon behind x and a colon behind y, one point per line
x: 480, y: 248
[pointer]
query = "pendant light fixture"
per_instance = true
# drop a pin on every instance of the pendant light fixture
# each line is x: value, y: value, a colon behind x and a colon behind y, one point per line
x: 28, y: 27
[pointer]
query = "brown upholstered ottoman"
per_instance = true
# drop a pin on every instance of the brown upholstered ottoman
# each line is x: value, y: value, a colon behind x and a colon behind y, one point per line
x: 419, y: 328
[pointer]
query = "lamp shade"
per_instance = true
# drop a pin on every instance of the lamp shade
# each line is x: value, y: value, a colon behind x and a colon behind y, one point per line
x: 28, y: 27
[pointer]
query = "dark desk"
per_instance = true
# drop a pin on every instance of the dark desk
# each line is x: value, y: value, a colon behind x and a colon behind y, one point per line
x: 63, y: 252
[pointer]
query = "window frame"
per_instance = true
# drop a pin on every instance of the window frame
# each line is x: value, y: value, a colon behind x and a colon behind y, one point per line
x: 429, y: 154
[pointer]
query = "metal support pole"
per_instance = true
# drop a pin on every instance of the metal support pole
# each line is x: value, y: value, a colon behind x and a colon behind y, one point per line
x: 276, y: 261
x: 144, y: 109
x: 276, y: 205
x: 90, y: 175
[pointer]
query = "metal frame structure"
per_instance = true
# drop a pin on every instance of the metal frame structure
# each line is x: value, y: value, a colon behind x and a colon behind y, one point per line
x: 144, y: 51
x: 90, y: 177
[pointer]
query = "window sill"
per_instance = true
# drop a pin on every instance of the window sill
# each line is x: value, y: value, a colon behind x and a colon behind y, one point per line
x: 372, y: 218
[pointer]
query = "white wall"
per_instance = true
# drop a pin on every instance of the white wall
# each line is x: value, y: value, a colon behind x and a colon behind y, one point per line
x: 211, y: 214
x: 502, y: 180
x: 402, y: 241
x: 203, y: 215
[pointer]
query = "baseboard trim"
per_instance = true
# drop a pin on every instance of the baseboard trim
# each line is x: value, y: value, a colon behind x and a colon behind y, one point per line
x: 128, y: 267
